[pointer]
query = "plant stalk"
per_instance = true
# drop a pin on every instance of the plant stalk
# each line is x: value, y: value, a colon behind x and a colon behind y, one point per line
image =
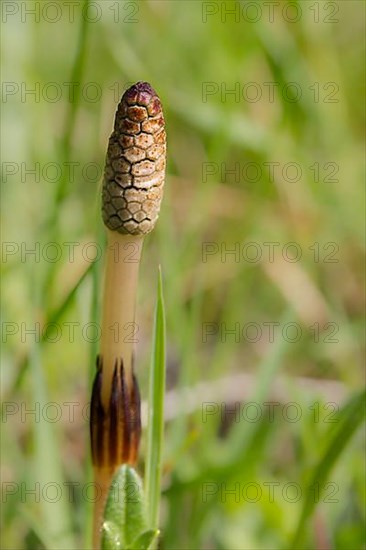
x: 117, y: 342
x: 132, y: 192
x: 118, y: 314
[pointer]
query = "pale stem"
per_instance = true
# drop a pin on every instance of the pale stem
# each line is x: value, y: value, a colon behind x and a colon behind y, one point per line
x: 119, y: 331
x: 118, y: 317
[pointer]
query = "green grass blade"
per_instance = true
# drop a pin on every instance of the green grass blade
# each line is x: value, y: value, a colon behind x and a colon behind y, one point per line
x: 350, y: 418
x: 53, y: 318
x: 47, y: 470
x: 70, y: 118
x: 156, y: 412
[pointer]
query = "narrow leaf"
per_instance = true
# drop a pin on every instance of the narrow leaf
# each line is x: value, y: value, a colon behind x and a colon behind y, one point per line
x: 156, y: 412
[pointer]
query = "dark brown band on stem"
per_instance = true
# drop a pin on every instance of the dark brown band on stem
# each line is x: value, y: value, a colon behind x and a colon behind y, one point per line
x: 115, y: 433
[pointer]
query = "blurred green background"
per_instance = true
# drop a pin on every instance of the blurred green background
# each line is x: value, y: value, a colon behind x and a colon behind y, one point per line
x: 265, y: 113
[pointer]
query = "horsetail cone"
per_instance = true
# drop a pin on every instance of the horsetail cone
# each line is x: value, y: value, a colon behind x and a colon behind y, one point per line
x: 135, y: 164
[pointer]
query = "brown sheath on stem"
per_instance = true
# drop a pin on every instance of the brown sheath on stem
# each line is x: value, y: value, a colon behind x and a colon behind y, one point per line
x: 132, y: 192
x: 115, y: 432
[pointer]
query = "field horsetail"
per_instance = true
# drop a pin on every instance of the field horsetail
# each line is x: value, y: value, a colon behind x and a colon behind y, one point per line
x: 132, y: 192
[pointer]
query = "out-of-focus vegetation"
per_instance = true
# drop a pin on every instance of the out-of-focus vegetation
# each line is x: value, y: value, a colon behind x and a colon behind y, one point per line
x: 265, y: 121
